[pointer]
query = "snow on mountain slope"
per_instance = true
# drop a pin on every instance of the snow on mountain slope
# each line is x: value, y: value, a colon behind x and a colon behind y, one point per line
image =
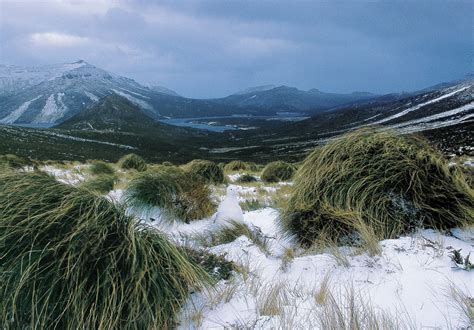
x: 418, y: 106
x: 14, y: 77
x: 12, y: 117
x: 50, y: 94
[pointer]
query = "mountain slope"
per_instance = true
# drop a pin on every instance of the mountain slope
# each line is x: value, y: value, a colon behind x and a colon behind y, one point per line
x: 52, y: 94
x: 284, y: 98
x: 113, y: 112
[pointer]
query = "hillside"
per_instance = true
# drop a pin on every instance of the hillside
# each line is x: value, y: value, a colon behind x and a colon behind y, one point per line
x: 284, y: 98
x: 113, y: 113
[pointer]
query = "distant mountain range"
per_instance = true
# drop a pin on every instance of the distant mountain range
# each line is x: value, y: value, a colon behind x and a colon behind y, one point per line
x: 284, y: 98
x: 51, y: 94
x: 115, y: 124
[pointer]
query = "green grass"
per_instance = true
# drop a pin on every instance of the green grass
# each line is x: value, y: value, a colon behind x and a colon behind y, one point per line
x: 132, y: 162
x: 278, y: 171
x: 177, y: 193
x: 387, y: 182
x: 98, y: 167
x: 72, y: 260
x: 209, y: 171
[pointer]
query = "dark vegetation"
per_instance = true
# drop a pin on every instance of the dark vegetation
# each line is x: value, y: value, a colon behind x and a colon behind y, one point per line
x: 72, y: 260
x: 278, y: 171
x: 179, y: 194
x: 209, y: 171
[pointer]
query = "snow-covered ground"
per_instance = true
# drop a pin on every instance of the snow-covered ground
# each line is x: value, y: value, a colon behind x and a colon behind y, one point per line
x: 412, y: 283
x: 412, y: 279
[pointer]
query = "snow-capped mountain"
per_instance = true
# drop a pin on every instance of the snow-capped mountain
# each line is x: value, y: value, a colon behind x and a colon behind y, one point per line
x: 49, y: 94
x: 53, y: 93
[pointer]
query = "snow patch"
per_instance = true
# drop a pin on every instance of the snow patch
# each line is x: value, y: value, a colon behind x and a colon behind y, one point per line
x: 13, y: 116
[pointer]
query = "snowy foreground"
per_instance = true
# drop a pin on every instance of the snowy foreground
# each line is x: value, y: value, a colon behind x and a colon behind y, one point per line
x: 413, y: 279
x: 412, y: 283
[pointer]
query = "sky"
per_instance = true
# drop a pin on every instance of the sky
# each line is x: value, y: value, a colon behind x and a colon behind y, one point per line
x: 206, y: 49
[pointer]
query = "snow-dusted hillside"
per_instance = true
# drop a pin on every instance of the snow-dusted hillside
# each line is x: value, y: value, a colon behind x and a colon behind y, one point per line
x: 49, y: 94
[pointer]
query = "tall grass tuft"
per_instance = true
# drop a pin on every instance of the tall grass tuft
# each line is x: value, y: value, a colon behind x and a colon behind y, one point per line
x: 132, y: 162
x: 13, y: 161
x: 278, y: 171
x: 72, y: 260
x: 99, y: 167
x: 177, y: 193
x: 209, y: 171
x: 236, y: 165
x: 391, y: 183
x: 100, y: 183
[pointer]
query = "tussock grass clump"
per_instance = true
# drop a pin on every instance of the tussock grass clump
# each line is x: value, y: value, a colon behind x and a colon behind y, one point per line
x: 177, y: 193
x: 233, y: 230
x: 209, y: 171
x: 101, y: 183
x: 73, y: 260
x: 99, y: 167
x: 132, y: 162
x: 13, y: 161
x: 246, y: 178
x: 387, y: 182
x: 236, y: 165
x: 278, y: 171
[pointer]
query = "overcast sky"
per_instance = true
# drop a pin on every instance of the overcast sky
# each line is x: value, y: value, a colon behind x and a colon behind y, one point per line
x: 214, y: 48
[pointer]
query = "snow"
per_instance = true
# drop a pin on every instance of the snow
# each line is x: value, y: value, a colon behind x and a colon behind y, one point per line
x: 91, y: 96
x: 74, y: 176
x: 229, y: 209
x: 432, y: 121
x: 418, y: 106
x: 411, y: 276
x: 141, y: 103
x: 13, y: 116
x: 75, y: 138
x: 52, y: 111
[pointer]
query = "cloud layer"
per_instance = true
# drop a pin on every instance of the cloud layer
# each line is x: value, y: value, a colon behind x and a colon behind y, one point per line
x: 213, y: 48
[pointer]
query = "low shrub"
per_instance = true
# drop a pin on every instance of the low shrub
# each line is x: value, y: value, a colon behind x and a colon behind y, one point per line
x: 209, y: 171
x: 177, y: 193
x: 73, y: 260
x: 278, y: 171
x: 388, y: 182
x: 132, y: 162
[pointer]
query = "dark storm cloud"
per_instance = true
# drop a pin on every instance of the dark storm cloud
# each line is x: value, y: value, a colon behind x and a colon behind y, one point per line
x: 213, y: 48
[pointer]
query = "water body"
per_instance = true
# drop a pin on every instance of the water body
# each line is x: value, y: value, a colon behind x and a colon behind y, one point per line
x: 211, y: 125
x: 39, y: 125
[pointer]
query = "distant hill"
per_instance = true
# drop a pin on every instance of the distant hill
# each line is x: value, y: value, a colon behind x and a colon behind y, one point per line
x: 164, y: 90
x: 113, y: 112
x: 284, y: 98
